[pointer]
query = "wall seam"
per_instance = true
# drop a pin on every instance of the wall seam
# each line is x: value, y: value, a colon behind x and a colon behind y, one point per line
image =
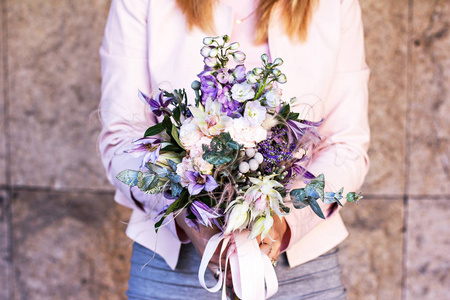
x: 406, y: 198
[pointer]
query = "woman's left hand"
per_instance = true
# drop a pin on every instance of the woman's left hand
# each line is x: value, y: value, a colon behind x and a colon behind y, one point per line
x: 278, y: 236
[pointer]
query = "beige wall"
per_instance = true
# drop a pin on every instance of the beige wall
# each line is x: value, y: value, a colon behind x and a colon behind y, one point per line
x: 61, y: 235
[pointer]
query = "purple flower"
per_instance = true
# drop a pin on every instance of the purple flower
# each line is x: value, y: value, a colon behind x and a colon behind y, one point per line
x: 199, y: 182
x: 230, y: 106
x: 301, y: 128
x: 205, y: 215
x: 239, y: 73
x: 158, y: 105
x: 222, y: 75
x: 148, y: 145
x: 209, y: 86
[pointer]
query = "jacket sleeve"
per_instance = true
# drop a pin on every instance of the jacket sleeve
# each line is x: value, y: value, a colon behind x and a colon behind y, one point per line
x: 342, y: 156
x: 124, y: 60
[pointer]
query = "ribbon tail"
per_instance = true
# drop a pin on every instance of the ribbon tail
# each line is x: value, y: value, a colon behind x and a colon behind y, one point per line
x: 209, y: 252
x: 270, y: 276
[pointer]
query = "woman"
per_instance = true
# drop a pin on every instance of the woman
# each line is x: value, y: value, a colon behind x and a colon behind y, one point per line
x: 150, y: 43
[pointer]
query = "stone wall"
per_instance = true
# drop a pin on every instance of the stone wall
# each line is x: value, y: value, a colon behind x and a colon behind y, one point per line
x: 62, y: 237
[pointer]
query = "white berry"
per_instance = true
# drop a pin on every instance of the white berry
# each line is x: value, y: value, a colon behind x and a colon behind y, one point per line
x: 250, y: 152
x: 259, y: 157
x: 253, y: 164
x: 244, y: 167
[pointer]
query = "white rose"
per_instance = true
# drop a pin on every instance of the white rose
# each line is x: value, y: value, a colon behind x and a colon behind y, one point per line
x: 246, y: 135
x: 196, y: 150
x: 202, y: 165
x: 190, y: 134
x: 242, y: 91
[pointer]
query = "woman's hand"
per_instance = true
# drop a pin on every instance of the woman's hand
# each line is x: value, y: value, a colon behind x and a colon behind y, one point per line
x: 279, y: 237
x: 199, y: 239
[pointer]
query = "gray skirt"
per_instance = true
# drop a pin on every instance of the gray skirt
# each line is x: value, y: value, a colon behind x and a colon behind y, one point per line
x: 152, y: 278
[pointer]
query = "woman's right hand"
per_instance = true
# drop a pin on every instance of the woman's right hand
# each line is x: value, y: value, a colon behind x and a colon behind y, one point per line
x: 200, y: 239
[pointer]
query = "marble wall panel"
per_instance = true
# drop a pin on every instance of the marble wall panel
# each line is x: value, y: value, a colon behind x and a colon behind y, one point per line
x: 69, y: 246
x: 371, y: 257
x: 428, y: 246
x: 5, y: 249
x: 430, y: 124
x: 385, y: 26
x: 2, y: 106
x: 54, y: 72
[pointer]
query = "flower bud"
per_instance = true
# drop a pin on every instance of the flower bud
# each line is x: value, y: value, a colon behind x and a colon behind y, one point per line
x: 250, y: 152
x: 238, y: 217
x: 213, y: 52
x: 276, y: 72
x: 207, y: 41
x: 265, y: 58
x: 281, y: 79
x: 195, y: 85
x: 210, y: 61
x: 205, y: 51
x: 238, y: 56
x: 257, y: 71
x: 277, y: 62
x: 251, y: 78
x: 234, y: 46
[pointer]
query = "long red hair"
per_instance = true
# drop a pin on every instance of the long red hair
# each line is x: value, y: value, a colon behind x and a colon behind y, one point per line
x: 297, y: 15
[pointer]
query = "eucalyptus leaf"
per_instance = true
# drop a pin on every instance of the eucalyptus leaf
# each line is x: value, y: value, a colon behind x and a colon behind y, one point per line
x: 316, y: 208
x: 129, y: 177
x: 333, y: 197
x: 317, y: 185
x: 145, y: 181
x: 353, y: 197
x: 172, y: 164
x: 176, y: 188
x: 158, y: 170
x: 174, y: 177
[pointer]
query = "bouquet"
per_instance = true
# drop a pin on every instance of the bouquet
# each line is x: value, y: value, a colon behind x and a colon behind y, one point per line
x: 229, y: 158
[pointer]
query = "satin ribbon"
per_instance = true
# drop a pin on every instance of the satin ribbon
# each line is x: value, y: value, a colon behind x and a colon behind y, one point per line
x: 252, y: 272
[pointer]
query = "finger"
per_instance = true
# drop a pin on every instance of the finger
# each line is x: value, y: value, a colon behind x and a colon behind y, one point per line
x: 265, y: 248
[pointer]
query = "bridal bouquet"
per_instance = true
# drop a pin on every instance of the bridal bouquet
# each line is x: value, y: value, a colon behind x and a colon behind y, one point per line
x: 229, y: 157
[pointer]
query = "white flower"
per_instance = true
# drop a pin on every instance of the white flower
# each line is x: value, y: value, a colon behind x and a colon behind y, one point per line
x: 244, y: 134
x: 210, y: 119
x: 202, y: 165
x: 239, y: 216
x: 242, y: 91
x: 190, y: 134
x: 182, y: 168
x: 273, y: 98
x: 261, y: 227
x: 254, y: 113
x: 262, y: 193
x: 196, y: 150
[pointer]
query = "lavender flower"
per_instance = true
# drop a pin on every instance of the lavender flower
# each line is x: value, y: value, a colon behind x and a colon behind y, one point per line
x: 230, y: 106
x: 149, y: 145
x: 275, y: 149
x: 199, y: 182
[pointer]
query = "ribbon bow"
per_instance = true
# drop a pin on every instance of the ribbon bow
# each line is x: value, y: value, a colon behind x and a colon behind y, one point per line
x: 252, y: 272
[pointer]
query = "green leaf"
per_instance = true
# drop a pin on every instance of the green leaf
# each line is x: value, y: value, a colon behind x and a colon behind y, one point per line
x: 172, y: 148
x: 333, y: 197
x: 146, y: 181
x: 129, y: 177
x: 176, y: 205
x: 167, y: 124
x: 154, y: 130
x: 316, y: 185
x: 298, y: 198
x: 176, y: 137
x: 176, y: 114
x: 316, y: 208
x: 293, y: 116
x: 222, y: 150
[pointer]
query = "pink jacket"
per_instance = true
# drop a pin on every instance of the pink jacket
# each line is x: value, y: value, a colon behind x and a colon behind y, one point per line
x: 146, y: 46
